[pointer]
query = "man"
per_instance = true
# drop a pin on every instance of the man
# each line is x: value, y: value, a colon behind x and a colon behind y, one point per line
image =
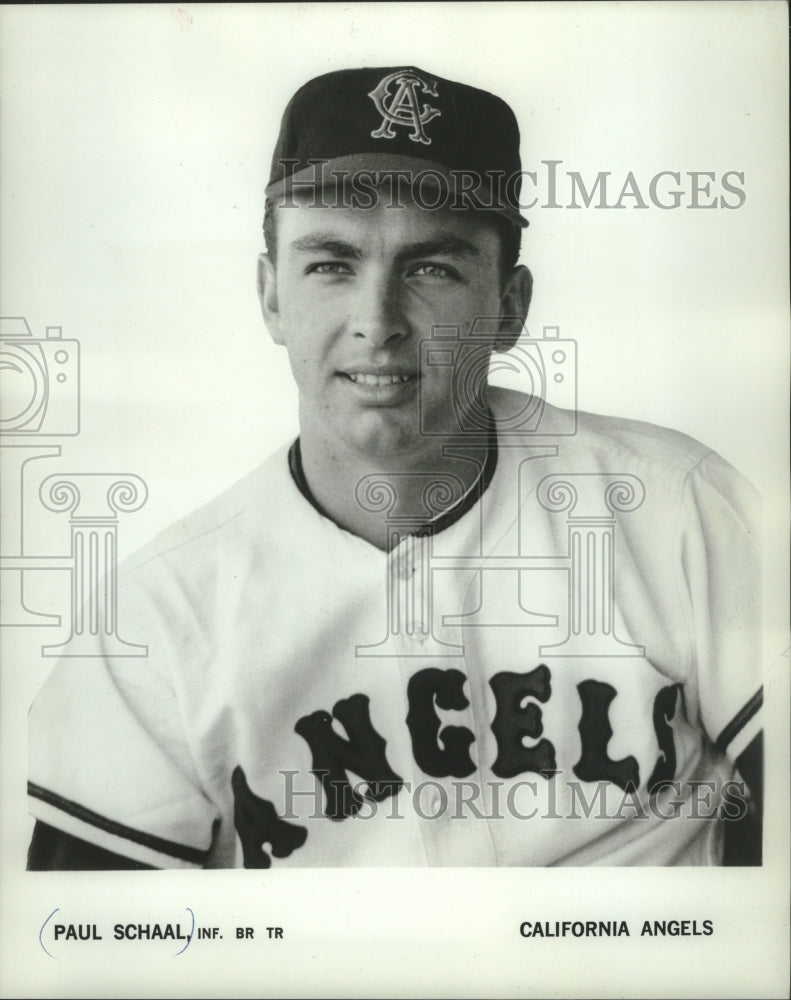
x: 451, y: 624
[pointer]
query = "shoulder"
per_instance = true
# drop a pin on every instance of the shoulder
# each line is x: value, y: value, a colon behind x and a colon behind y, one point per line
x: 675, y: 469
x: 601, y: 440
x: 258, y: 504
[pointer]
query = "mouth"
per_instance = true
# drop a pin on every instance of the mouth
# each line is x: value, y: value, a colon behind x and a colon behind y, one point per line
x: 380, y: 388
x: 379, y: 380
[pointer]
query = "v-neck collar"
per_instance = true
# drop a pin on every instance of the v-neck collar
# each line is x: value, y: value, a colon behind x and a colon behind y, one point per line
x: 434, y: 525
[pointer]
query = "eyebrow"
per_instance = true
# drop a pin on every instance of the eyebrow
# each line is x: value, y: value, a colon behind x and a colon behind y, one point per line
x: 447, y: 246
x: 326, y: 243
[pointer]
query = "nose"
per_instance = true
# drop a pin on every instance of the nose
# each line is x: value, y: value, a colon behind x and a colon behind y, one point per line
x: 377, y: 314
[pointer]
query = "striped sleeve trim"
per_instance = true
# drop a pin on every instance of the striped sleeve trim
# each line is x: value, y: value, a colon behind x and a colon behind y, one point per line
x: 160, y: 844
x: 741, y: 719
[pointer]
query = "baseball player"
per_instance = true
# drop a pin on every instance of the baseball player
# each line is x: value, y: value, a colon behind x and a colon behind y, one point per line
x: 451, y: 624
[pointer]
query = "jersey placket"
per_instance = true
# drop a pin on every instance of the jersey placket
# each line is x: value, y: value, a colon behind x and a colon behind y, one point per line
x: 450, y: 833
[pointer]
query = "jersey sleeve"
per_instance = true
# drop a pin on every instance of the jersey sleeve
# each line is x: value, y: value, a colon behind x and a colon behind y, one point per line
x: 109, y: 757
x: 55, y: 850
x: 720, y: 532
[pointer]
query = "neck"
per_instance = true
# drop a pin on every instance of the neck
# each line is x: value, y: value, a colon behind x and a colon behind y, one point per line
x: 371, y: 495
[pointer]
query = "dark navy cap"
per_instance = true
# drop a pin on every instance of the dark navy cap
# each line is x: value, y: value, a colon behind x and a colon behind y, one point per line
x: 458, y: 137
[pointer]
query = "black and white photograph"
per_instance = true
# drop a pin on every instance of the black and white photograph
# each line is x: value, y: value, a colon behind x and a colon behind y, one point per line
x: 394, y: 485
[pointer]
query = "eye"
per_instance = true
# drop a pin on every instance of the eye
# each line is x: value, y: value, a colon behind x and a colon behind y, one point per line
x: 331, y: 267
x: 432, y: 270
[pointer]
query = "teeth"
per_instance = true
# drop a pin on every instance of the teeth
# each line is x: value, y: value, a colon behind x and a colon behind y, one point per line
x: 363, y: 379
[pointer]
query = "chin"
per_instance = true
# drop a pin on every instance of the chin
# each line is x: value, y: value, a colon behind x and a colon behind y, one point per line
x: 381, y: 442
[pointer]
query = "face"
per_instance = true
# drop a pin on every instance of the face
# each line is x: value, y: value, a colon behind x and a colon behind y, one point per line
x: 354, y: 293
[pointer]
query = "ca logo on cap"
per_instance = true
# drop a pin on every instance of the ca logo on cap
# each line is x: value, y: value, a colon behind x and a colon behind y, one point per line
x: 397, y: 99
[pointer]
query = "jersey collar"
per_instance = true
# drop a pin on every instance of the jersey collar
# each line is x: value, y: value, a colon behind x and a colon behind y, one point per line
x: 436, y: 524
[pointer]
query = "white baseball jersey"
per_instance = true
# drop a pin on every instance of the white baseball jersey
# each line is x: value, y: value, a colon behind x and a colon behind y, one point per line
x: 560, y: 674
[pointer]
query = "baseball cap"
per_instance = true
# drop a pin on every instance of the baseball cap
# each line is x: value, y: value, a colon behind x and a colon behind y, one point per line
x: 454, y: 138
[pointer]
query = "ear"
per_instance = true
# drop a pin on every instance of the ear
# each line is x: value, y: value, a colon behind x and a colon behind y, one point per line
x: 266, y: 283
x: 514, y: 305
